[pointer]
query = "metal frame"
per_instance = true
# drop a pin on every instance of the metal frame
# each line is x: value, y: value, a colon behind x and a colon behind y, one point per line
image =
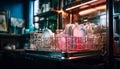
x: 109, y: 54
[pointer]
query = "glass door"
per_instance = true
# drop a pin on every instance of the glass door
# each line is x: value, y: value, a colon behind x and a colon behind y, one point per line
x: 116, y: 32
x: 116, y: 25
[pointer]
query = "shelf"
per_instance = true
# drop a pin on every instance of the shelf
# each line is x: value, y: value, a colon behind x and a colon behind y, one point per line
x: 79, y: 3
x: 77, y: 6
x: 47, y: 14
x: 45, y: 20
x: 116, y: 14
x: 72, y: 4
x: 9, y: 34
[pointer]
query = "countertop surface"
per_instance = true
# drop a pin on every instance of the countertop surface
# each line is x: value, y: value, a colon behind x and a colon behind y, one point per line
x: 21, y: 56
x: 27, y: 55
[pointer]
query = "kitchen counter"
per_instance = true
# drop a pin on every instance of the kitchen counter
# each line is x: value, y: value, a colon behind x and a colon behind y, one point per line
x: 55, y: 55
x: 21, y: 59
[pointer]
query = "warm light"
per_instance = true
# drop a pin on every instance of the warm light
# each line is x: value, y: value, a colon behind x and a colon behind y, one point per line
x: 81, y: 4
x: 60, y: 11
x: 92, y: 10
x: 85, y: 20
x: 103, y: 7
x: 88, y: 11
x: 85, y: 6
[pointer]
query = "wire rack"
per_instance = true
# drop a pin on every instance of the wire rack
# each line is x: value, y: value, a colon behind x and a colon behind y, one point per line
x: 66, y: 44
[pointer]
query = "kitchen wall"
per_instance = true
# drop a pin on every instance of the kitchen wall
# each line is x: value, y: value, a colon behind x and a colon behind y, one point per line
x: 22, y: 9
x: 19, y: 9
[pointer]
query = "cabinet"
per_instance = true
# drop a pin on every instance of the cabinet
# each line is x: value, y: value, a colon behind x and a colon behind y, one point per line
x: 47, y: 15
x: 92, y: 15
x: 89, y: 35
x: 13, y: 39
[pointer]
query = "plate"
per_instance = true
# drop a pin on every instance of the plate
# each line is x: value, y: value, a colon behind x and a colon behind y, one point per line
x: 47, y: 34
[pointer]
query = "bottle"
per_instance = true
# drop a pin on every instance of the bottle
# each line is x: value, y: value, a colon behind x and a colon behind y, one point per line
x: 23, y: 30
